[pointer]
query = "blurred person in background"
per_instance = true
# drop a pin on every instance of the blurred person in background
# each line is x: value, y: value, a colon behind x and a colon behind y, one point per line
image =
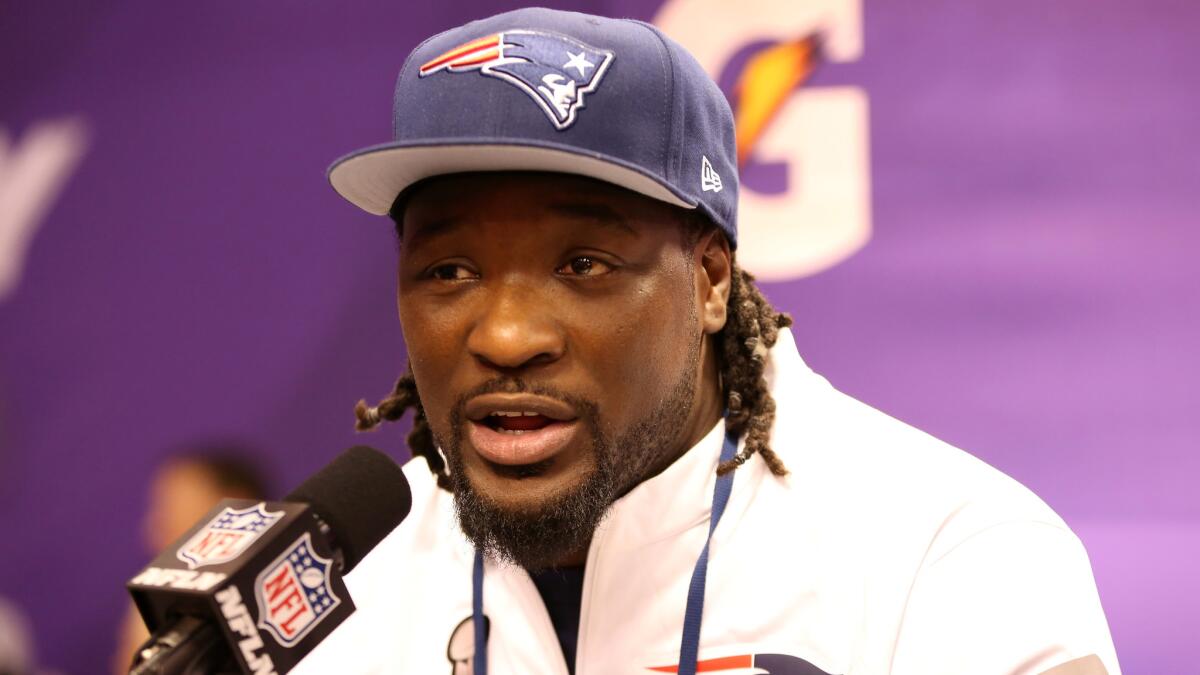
x: 17, y: 646
x: 182, y: 490
x: 16, y: 643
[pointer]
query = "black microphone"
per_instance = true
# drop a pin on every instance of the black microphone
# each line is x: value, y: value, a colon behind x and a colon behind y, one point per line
x: 255, y: 586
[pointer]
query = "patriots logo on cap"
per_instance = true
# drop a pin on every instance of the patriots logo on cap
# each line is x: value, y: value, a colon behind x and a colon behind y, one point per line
x: 554, y: 70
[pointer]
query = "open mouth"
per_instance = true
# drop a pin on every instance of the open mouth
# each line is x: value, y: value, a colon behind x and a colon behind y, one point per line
x: 519, y: 430
x: 516, y: 422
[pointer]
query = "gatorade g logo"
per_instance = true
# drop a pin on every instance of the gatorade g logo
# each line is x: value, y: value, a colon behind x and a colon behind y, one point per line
x: 802, y: 150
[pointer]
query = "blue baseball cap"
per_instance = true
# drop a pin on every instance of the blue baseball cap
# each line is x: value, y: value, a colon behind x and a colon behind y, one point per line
x: 545, y: 90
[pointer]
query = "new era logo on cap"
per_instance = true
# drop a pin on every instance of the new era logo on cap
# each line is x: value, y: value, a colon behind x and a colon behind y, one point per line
x: 710, y: 180
x: 554, y: 70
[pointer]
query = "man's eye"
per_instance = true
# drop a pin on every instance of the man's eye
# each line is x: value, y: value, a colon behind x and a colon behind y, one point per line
x: 450, y: 272
x: 584, y: 266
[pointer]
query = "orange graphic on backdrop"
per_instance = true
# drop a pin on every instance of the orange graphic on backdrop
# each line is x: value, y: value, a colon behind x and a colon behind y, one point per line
x: 765, y: 84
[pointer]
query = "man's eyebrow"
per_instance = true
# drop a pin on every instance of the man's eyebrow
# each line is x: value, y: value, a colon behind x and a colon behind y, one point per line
x: 597, y: 213
x: 429, y: 229
x: 601, y: 214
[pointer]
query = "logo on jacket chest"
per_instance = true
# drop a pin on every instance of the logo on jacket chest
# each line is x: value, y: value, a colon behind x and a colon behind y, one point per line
x: 460, y: 650
x: 745, y: 664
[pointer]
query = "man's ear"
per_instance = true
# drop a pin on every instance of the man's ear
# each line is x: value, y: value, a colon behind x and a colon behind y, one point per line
x: 714, y: 266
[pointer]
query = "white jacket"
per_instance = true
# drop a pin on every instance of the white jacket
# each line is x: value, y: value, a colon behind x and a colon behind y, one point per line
x: 883, y: 551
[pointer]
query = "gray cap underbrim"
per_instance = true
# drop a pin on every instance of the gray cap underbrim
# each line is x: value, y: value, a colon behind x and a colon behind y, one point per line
x: 372, y: 178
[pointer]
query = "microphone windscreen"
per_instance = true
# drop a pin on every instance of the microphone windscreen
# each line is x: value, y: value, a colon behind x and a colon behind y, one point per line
x: 362, y: 495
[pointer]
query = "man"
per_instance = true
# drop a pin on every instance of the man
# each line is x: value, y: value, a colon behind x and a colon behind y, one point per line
x: 627, y: 468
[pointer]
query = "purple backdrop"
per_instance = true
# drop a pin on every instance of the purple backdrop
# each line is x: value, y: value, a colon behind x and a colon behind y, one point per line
x: 1029, y: 292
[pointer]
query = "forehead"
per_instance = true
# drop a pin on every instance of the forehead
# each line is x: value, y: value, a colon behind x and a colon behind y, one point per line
x: 501, y: 195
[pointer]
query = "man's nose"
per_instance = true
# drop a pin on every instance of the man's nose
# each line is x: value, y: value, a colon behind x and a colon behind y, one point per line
x: 516, y: 330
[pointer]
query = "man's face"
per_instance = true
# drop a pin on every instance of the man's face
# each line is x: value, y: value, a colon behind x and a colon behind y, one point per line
x: 553, y: 327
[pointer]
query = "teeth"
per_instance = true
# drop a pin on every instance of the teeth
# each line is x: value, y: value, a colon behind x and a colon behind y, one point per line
x: 514, y: 432
x: 509, y: 413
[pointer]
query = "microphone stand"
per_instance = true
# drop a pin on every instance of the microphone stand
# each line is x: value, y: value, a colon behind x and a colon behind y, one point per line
x: 189, y: 646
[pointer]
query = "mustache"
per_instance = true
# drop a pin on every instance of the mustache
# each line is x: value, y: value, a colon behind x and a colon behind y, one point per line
x: 504, y: 384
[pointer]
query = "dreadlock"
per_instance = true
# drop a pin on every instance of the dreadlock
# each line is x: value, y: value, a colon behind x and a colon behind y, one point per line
x: 420, y: 439
x: 751, y: 329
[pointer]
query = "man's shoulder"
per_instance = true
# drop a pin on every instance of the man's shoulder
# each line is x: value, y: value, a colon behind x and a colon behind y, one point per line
x: 895, y: 460
x: 430, y: 529
x: 882, y: 475
x: 882, y: 508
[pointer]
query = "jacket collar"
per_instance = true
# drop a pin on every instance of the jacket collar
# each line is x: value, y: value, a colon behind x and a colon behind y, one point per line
x: 680, y: 497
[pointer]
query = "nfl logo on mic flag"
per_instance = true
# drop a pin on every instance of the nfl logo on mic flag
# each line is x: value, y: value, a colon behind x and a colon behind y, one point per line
x: 227, y: 535
x: 271, y: 583
x: 294, y: 592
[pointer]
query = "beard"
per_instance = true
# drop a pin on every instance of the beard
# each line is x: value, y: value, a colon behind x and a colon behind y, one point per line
x: 538, y: 538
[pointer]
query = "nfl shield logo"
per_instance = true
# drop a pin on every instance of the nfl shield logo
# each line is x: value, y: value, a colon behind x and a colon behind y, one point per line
x: 227, y: 535
x: 294, y: 593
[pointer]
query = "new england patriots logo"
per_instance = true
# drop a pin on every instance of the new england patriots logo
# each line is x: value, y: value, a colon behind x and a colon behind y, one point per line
x: 554, y: 70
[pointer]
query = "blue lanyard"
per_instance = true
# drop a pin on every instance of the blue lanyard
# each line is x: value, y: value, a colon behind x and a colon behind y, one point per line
x: 477, y: 621
x: 689, y: 644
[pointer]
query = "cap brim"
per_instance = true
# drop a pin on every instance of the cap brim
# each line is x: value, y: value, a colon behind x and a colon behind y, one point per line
x: 372, y: 178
